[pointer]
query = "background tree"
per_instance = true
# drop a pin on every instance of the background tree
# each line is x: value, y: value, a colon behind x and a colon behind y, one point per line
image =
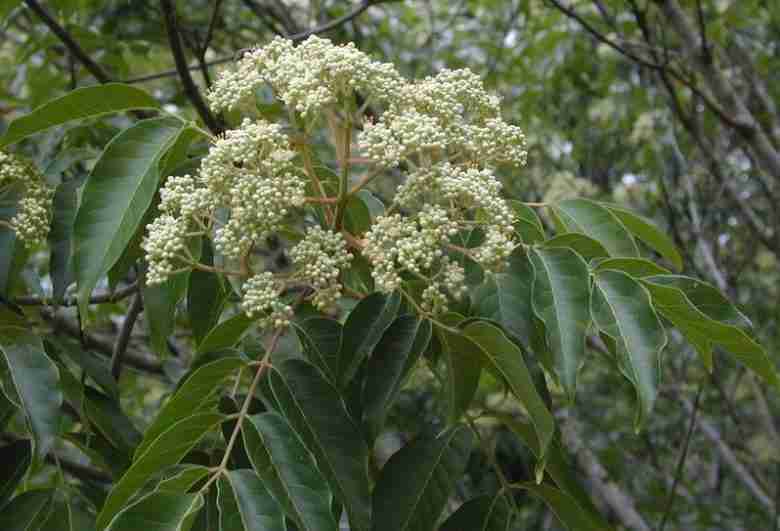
x: 667, y: 108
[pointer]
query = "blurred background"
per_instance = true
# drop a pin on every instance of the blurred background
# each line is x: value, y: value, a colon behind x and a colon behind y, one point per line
x: 669, y: 107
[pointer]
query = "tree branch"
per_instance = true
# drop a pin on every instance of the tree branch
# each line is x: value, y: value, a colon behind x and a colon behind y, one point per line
x: 122, y: 340
x: 75, y: 469
x: 66, y: 38
x: 190, y: 88
x: 335, y: 23
x: 745, y: 125
x: 295, y: 37
x: 264, y: 18
x: 143, y: 363
x: 740, y: 471
x: 100, y: 298
x: 681, y: 462
x: 618, y: 501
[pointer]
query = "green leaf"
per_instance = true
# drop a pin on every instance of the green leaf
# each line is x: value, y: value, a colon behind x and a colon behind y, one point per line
x: 394, y: 356
x: 315, y: 410
x: 357, y: 217
x: 160, y: 302
x: 565, y: 508
x: 86, y: 102
x: 117, y: 194
x: 508, y: 300
x: 622, y: 310
x: 64, y: 160
x: 36, y: 381
x: 208, y: 516
x: 256, y: 508
x: 417, y: 481
x: 28, y: 511
x: 166, y: 450
x: 197, y: 390
x: 184, y: 479
x: 527, y: 224
x: 321, y: 342
x: 159, y: 511
x: 704, y: 332
x: 289, y: 472
x: 464, y: 368
x: 480, y: 514
x: 635, y: 267
x: 61, y: 238
x: 205, y: 296
x: 363, y: 330
x: 594, y: 220
x: 15, y: 458
x: 60, y: 519
x: 7, y: 408
x: 505, y: 359
x: 375, y: 206
x: 108, y: 418
x: 561, y: 299
x: 557, y: 466
x: 646, y: 231
x: 584, y: 245
x: 93, y: 365
x: 226, y: 334
x: 706, y: 298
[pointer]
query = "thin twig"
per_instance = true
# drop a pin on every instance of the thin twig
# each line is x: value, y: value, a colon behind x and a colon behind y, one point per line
x: 295, y: 37
x: 263, y: 16
x: 100, y: 298
x: 77, y: 470
x: 123, y: 339
x: 681, y: 462
x: 263, y: 365
x: 190, y: 88
x: 335, y: 23
x: 69, y: 42
x: 61, y: 324
x: 735, y: 122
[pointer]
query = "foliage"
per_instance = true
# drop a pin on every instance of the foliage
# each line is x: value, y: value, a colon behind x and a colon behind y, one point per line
x: 316, y: 297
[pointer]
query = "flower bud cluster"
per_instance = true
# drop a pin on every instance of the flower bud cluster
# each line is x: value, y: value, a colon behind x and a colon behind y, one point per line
x: 444, y: 116
x: 319, y: 259
x: 250, y: 172
x: 308, y: 77
x: 466, y: 190
x: 33, y: 216
x: 164, y: 244
x: 412, y: 243
x: 262, y: 296
x: 451, y: 279
x: 444, y: 131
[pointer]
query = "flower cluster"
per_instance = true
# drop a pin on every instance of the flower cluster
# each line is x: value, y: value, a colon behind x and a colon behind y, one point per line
x: 320, y: 258
x: 412, y: 243
x: 307, y: 77
x: 262, y: 297
x: 164, y: 246
x: 33, y: 217
x: 444, y: 133
x: 248, y: 173
x: 445, y: 116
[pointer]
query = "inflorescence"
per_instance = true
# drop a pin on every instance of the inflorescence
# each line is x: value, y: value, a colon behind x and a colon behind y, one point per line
x: 443, y: 133
x: 33, y: 214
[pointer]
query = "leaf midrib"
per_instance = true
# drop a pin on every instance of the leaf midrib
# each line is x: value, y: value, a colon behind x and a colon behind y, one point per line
x: 432, y: 470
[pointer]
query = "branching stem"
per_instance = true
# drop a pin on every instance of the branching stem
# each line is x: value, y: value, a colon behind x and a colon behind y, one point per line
x: 264, y: 363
